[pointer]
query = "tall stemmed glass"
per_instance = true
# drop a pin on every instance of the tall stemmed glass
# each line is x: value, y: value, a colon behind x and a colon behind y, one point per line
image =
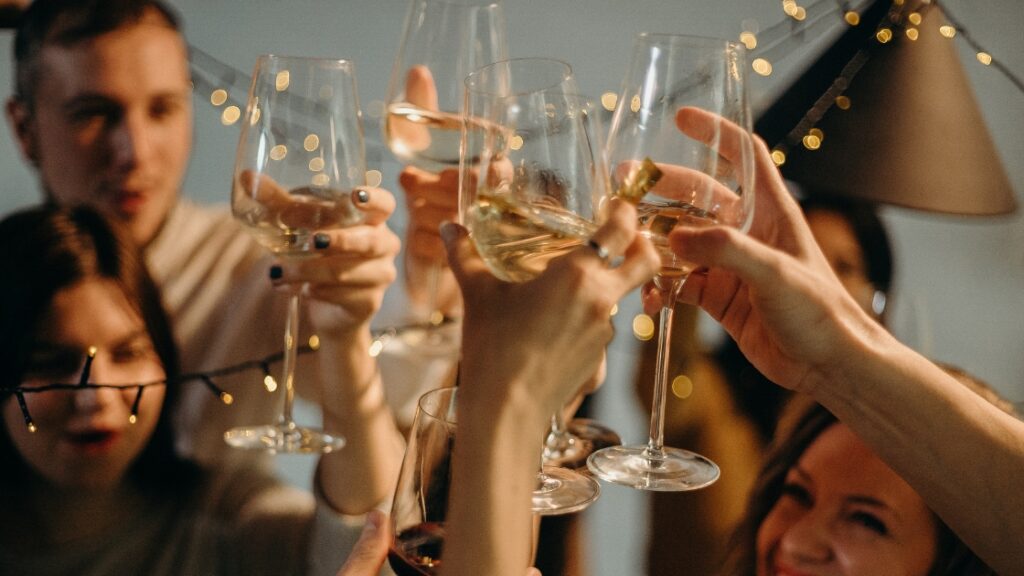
x: 420, y: 505
x: 533, y: 193
x: 300, y: 155
x: 442, y: 42
x: 703, y: 181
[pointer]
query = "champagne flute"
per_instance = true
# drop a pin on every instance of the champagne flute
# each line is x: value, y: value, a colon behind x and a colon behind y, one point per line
x: 703, y: 182
x: 420, y: 505
x: 442, y: 42
x: 534, y: 193
x: 300, y: 155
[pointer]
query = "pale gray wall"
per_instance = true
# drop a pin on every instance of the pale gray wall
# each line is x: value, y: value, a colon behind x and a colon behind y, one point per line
x: 959, y: 280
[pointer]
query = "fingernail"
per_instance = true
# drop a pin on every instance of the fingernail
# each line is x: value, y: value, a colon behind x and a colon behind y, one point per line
x: 321, y: 240
x: 276, y: 272
x: 361, y: 196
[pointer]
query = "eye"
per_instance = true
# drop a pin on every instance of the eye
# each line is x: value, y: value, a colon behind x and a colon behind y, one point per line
x: 871, y: 522
x: 95, y: 114
x: 797, y: 493
x: 136, y: 350
x: 164, y: 108
x: 51, y: 365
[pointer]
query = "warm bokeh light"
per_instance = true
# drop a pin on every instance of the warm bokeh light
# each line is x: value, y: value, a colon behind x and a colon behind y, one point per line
x: 312, y: 142
x: 255, y: 116
x: 230, y: 115
x: 915, y: 18
x: 270, y: 383
x: 283, y: 79
x: 852, y: 18
x: 801, y: 14
x: 609, y: 100
x: 749, y: 40
x: 812, y: 142
x: 817, y: 133
x: 912, y: 33
x: 314, y: 342
x: 643, y: 327
x: 884, y: 35
x: 843, y: 102
x: 132, y: 419
x: 634, y: 103
x: 789, y: 7
x: 515, y: 142
x: 374, y: 178
x: 227, y: 398
x: 321, y: 180
x: 218, y: 97
x: 778, y: 157
x: 947, y: 31
x: 615, y: 310
x: 316, y: 164
x: 278, y: 152
x: 761, y: 66
x: 682, y: 387
x: 985, y: 58
x: 376, y: 348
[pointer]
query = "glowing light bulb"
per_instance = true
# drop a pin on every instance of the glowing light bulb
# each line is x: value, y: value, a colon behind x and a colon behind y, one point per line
x: 218, y: 96
x: 643, y: 327
x: 778, y: 157
x: 852, y: 18
x: 609, y: 100
x: 270, y: 383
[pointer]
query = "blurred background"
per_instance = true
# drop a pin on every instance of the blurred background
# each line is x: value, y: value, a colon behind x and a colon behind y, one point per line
x: 960, y: 279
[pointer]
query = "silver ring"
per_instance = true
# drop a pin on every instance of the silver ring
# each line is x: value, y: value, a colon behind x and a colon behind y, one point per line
x: 601, y: 251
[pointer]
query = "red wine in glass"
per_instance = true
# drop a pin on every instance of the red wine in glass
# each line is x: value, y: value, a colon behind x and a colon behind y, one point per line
x: 417, y: 550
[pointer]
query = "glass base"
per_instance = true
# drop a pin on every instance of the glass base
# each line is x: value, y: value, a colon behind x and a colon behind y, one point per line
x: 667, y: 470
x: 564, y: 491
x: 280, y: 438
x: 586, y: 437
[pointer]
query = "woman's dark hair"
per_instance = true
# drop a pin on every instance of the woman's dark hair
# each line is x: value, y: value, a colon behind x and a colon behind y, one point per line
x: 67, y: 22
x: 48, y: 249
x: 802, y: 422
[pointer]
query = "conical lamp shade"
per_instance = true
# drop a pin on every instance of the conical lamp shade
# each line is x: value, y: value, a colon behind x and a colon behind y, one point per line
x: 908, y: 131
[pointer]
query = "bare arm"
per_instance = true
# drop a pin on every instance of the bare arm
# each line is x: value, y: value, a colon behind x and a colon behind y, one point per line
x: 527, y: 349
x: 774, y: 293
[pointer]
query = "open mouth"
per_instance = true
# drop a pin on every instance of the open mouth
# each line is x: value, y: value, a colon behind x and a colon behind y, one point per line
x: 93, y: 441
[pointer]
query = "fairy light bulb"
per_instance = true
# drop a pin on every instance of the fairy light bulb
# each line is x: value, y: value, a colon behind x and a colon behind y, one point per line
x: 778, y: 157
x: 270, y: 383
x: 226, y: 398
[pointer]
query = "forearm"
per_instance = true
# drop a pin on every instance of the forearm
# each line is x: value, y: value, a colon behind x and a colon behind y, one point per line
x: 963, y: 455
x: 362, y: 474
x: 489, y: 524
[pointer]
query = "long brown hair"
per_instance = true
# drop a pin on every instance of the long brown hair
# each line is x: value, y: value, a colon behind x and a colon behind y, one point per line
x: 48, y: 249
x: 803, y: 421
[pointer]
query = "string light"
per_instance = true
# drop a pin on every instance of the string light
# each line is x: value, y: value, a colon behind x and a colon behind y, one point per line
x: 134, y: 417
x: 89, y: 357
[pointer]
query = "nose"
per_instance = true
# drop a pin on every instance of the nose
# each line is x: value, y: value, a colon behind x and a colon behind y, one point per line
x: 96, y: 398
x: 808, y: 540
x: 130, y: 140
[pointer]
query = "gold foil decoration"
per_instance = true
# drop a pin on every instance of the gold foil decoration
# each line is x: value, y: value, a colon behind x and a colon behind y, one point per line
x: 640, y: 180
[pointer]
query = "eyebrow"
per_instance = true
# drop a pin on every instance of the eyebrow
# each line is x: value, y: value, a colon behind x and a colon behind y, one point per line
x: 852, y: 498
x: 130, y: 337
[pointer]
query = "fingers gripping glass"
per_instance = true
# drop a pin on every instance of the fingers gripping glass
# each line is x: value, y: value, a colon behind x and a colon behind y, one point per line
x: 683, y: 116
x: 300, y: 156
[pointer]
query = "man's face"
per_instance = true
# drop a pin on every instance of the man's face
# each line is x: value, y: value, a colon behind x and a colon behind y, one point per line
x: 112, y: 123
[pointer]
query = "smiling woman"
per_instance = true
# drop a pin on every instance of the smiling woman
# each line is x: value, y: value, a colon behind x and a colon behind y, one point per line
x: 825, y: 503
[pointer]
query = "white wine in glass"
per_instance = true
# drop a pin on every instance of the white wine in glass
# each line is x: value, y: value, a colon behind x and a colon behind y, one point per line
x: 691, y: 182
x: 300, y: 156
x: 534, y: 193
x: 441, y: 43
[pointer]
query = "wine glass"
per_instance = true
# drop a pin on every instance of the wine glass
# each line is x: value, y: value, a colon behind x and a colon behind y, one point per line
x: 421, y: 496
x: 533, y: 192
x: 300, y: 155
x: 702, y: 182
x: 442, y: 42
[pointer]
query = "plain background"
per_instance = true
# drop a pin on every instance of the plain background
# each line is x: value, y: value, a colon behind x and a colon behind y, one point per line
x: 959, y: 280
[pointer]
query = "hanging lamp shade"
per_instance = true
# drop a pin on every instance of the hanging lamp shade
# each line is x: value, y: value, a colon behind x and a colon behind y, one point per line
x: 887, y: 114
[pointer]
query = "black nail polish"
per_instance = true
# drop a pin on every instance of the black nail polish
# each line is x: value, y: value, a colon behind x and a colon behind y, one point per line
x: 362, y: 196
x: 276, y: 272
x: 321, y: 240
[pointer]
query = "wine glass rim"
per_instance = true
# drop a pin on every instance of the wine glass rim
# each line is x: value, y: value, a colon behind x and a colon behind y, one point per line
x: 443, y: 410
x: 479, y: 89
x: 669, y: 38
x: 340, y: 62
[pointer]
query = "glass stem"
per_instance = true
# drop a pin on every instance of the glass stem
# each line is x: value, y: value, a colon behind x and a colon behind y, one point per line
x: 559, y: 441
x: 669, y: 288
x: 291, y: 345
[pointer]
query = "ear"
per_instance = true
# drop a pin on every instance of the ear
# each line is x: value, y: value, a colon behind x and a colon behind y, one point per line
x: 20, y: 118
